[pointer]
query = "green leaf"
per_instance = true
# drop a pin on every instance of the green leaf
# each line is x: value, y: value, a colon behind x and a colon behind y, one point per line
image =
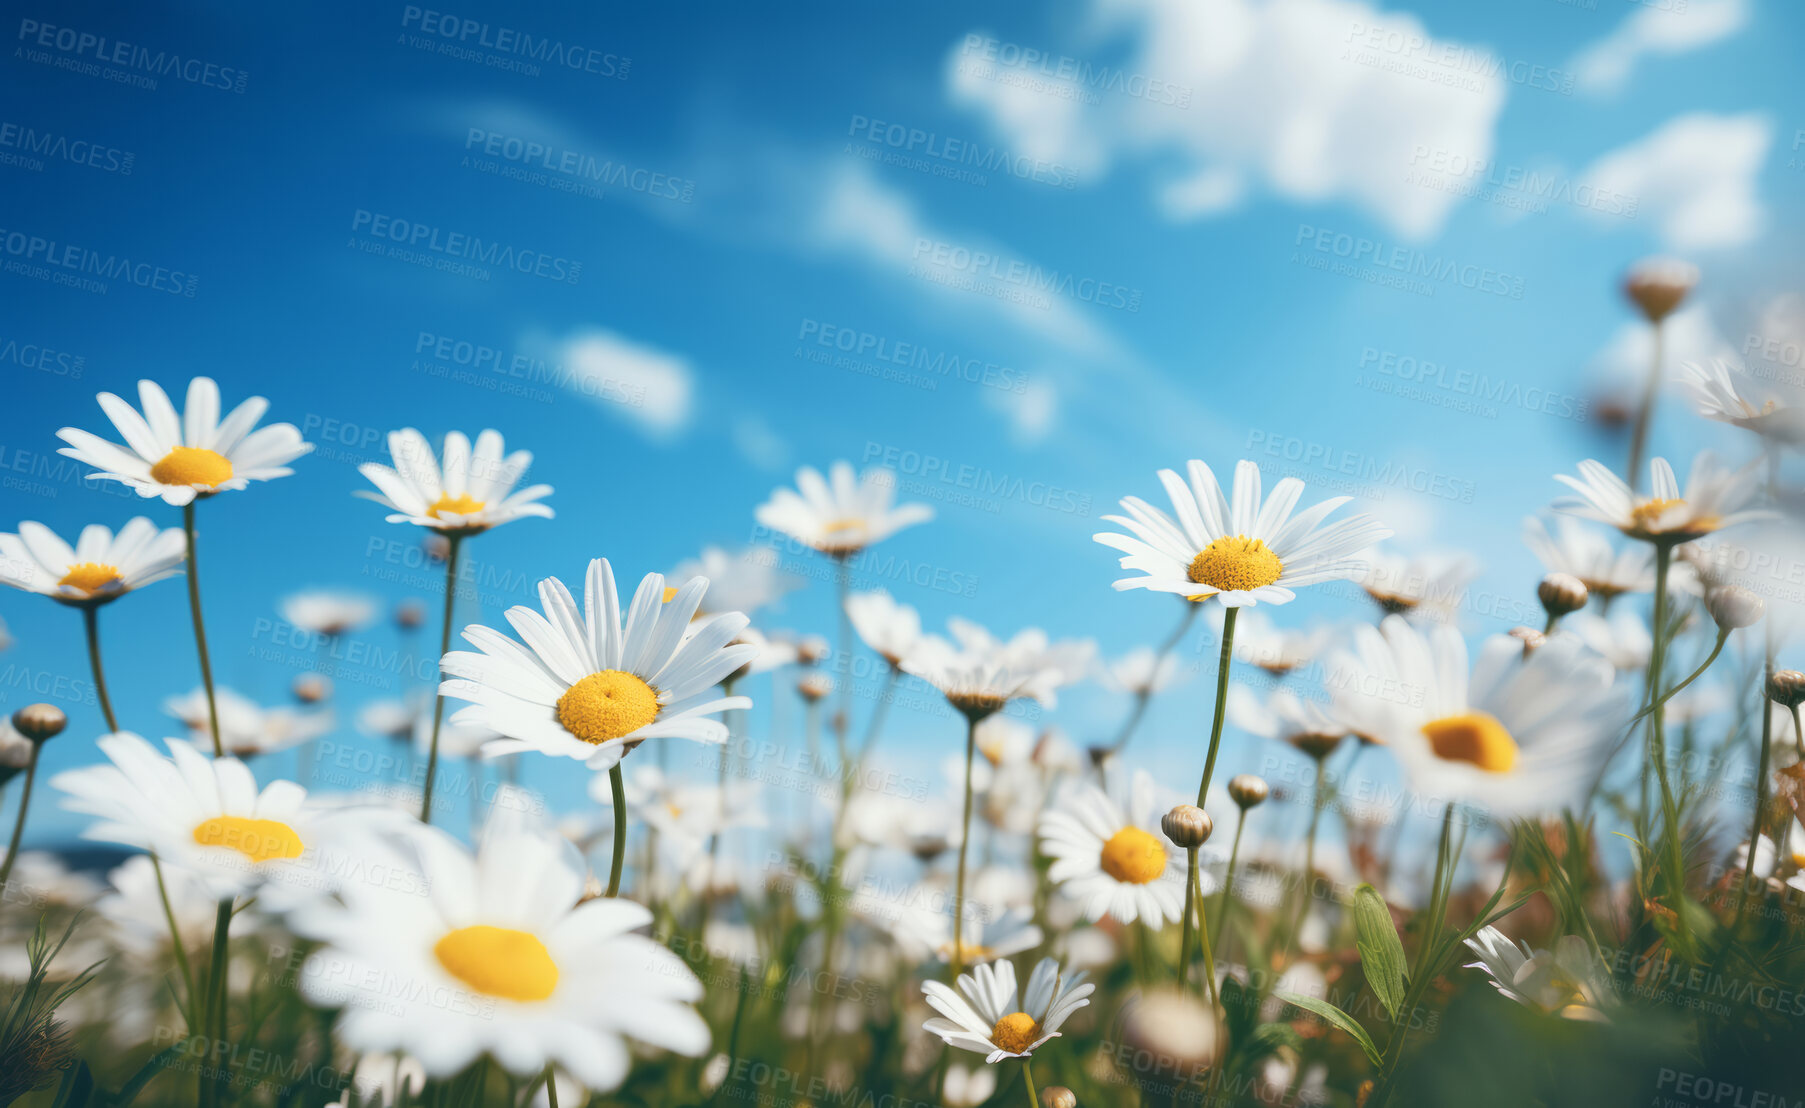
x: 1337, y: 1017
x: 1381, y: 951
x: 149, y: 1070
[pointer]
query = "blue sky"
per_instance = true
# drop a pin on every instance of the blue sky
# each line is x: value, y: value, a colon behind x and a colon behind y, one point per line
x: 776, y: 182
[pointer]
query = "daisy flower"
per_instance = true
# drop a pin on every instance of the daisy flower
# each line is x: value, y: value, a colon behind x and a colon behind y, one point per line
x: 1714, y: 498
x: 207, y: 816
x: 843, y: 513
x: 1111, y: 857
x: 498, y: 958
x: 1569, y: 981
x: 1717, y: 392
x: 585, y: 686
x: 685, y: 814
x: 1424, y: 586
x: 1261, y: 642
x: 923, y: 934
x: 743, y: 582
x: 1584, y: 552
x: 245, y: 728
x: 100, y: 567
x: 982, y: 1016
x: 1286, y: 717
x: 184, y: 457
x: 981, y: 674
x: 1240, y: 551
x: 1621, y: 638
x: 889, y: 628
x: 472, y: 492
x: 328, y: 613
x: 1143, y: 671
x: 1518, y: 735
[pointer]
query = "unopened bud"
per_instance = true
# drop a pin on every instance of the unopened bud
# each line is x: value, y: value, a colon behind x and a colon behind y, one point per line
x: 311, y: 688
x: 1529, y: 637
x: 1787, y: 686
x: 1561, y: 593
x: 1058, y: 1096
x: 1733, y: 606
x: 1248, y: 790
x: 1659, y: 285
x: 40, y: 722
x: 1187, y: 826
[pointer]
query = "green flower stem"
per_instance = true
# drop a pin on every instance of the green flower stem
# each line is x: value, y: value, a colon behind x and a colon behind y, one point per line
x: 1209, y: 959
x: 175, y: 943
x: 1646, y: 414
x: 617, y: 787
x: 1028, y: 1080
x: 12, y: 851
x: 200, y: 627
x: 958, y: 959
x: 1228, y: 880
x: 215, y: 1020
x: 1228, y: 644
x: 1185, y: 942
x: 438, y: 705
x: 90, y: 617
x: 1657, y: 744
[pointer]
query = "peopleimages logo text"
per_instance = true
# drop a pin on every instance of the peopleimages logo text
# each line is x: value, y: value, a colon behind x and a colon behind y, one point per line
x: 71, y: 258
x: 1411, y: 262
x: 160, y: 63
x: 476, y: 34
x: 470, y: 248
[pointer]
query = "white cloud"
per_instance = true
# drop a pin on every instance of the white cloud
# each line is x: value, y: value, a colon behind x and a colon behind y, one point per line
x: 1032, y: 413
x: 1317, y: 100
x: 650, y: 386
x: 1606, y: 65
x: 1694, y: 177
x: 860, y: 215
x: 760, y: 444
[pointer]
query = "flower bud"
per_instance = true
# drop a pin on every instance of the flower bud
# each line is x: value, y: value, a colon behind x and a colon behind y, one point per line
x: 409, y: 614
x: 1187, y: 826
x: 40, y: 722
x: 1248, y: 790
x: 1561, y: 593
x: 1787, y: 686
x: 1658, y: 285
x: 1733, y: 606
x: 1058, y: 1096
x: 311, y: 688
x: 814, y: 687
x: 1317, y: 744
x: 1529, y: 637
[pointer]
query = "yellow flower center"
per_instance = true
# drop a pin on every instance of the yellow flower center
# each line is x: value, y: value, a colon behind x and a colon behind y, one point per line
x: 670, y: 593
x: 1646, y: 514
x: 260, y: 840
x: 1475, y: 738
x: 1014, y: 1032
x: 499, y: 961
x: 90, y: 576
x: 192, y: 465
x: 607, y: 705
x: 463, y: 504
x: 1134, y: 856
x: 1235, y: 564
x: 840, y: 525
